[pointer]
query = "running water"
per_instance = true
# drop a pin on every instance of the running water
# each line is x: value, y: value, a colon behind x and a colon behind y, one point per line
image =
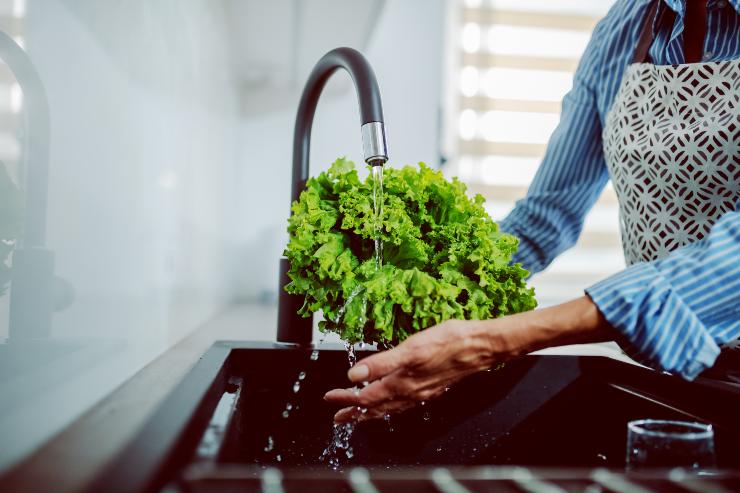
x: 378, y: 212
x: 342, y: 433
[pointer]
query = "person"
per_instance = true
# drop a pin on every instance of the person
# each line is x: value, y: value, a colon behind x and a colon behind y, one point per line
x: 655, y: 107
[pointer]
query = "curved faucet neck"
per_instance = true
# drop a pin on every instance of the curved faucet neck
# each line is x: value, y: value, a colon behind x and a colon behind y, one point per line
x: 371, y: 111
x: 36, y: 148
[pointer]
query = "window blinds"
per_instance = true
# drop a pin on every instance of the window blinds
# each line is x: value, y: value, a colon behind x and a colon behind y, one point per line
x: 513, y: 63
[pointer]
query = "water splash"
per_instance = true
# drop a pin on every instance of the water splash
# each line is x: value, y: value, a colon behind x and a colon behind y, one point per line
x: 270, y: 447
x: 387, y: 419
x: 342, y: 433
x: 338, y: 444
x: 339, y: 317
x: 288, y: 408
x: 351, y: 355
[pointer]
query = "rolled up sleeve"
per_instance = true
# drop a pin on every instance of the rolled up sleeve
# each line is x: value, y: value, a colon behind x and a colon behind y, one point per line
x: 673, y: 314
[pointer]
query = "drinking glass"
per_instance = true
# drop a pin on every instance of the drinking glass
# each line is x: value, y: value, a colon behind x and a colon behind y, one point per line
x: 655, y: 443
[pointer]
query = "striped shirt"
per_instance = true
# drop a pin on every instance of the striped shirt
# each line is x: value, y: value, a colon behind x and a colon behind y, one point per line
x: 674, y: 313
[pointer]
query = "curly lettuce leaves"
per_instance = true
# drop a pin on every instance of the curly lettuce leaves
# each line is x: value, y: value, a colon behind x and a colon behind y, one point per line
x: 443, y: 256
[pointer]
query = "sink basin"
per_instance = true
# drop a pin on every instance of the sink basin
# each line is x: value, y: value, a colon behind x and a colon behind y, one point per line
x: 225, y: 425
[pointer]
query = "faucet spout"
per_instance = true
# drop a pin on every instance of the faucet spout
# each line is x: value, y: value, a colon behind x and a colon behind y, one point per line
x: 292, y: 328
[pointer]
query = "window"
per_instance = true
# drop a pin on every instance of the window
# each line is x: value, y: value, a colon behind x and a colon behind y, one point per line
x: 512, y: 63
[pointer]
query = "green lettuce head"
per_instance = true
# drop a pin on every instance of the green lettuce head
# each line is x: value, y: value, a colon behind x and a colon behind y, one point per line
x: 443, y: 256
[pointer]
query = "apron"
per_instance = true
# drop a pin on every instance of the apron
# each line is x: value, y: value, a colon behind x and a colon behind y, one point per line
x: 669, y: 142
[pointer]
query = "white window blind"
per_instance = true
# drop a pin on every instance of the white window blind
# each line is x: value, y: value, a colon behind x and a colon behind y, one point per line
x: 512, y: 64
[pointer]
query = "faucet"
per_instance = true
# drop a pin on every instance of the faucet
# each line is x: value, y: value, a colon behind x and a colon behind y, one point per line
x: 33, y: 282
x: 292, y: 328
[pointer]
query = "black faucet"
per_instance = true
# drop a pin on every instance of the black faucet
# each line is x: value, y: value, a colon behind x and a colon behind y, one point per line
x: 32, y: 284
x: 292, y: 328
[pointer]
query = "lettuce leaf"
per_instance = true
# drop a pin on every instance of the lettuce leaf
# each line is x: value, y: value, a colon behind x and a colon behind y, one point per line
x: 443, y: 256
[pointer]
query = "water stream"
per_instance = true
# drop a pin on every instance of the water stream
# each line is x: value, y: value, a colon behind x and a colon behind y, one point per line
x: 378, y: 213
x: 342, y: 433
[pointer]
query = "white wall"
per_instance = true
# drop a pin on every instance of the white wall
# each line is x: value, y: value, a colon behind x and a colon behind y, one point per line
x: 406, y: 53
x: 145, y: 158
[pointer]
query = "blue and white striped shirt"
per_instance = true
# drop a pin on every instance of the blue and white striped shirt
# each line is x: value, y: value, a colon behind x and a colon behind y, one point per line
x: 672, y: 314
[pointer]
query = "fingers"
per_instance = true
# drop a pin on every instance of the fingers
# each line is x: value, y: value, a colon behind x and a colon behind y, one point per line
x: 376, y: 393
x: 358, y: 414
x: 342, y: 397
x: 376, y: 366
x: 347, y: 414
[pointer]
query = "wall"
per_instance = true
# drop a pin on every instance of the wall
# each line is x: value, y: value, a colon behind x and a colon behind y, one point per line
x: 145, y: 156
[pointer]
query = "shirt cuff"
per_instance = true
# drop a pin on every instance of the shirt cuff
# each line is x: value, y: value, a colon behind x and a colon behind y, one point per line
x: 656, y: 327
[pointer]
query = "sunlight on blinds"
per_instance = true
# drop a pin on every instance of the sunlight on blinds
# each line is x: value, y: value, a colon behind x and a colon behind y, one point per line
x: 512, y: 66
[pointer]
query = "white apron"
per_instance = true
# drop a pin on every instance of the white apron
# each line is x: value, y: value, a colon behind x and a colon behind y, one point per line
x: 670, y: 144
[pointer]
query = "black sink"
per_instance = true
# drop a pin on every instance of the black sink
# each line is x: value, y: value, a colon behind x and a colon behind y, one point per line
x: 545, y: 413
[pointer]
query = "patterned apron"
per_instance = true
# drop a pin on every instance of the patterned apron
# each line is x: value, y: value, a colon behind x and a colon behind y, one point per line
x: 670, y: 143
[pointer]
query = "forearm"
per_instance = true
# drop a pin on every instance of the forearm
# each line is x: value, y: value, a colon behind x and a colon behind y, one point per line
x: 575, y: 322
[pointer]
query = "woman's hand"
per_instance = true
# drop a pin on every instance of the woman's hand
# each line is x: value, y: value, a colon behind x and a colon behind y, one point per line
x: 419, y: 369
x: 429, y: 362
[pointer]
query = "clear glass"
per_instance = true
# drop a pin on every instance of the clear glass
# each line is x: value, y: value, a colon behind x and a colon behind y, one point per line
x: 667, y: 444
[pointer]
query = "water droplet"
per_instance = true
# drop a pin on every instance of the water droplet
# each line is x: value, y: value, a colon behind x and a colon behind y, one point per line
x: 279, y: 458
x: 423, y: 403
x: 288, y: 408
x: 270, y: 444
x: 601, y: 457
x: 439, y: 448
x: 351, y: 356
x: 302, y: 375
x: 296, y: 386
x: 447, y: 389
x: 314, y: 355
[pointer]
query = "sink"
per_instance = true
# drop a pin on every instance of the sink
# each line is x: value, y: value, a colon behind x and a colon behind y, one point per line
x: 563, y: 416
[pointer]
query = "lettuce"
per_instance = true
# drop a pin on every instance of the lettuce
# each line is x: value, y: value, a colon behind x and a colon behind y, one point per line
x: 443, y: 256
